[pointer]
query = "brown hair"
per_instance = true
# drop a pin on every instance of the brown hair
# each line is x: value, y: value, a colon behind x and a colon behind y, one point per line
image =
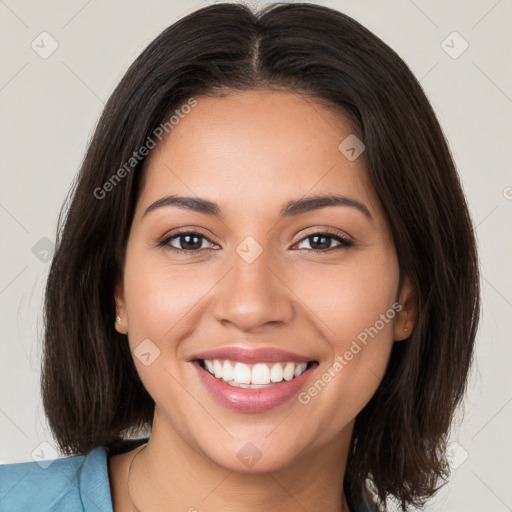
x: 91, y: 391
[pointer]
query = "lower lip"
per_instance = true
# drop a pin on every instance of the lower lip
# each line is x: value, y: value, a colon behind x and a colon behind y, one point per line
x: 253, y: 400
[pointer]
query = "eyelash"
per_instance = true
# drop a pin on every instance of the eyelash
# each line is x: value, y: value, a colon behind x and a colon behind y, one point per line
x: 344, y: 242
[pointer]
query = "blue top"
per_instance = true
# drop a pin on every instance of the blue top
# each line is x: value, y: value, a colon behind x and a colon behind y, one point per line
x: 78, y: 483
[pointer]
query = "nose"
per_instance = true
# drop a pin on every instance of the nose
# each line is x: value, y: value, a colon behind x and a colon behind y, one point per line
x: 253, y: 295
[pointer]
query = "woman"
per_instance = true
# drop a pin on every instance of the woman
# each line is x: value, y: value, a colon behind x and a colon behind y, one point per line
x: 268, y: 262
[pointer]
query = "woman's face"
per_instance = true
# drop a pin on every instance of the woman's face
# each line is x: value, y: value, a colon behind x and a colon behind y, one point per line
x: 256, y: 277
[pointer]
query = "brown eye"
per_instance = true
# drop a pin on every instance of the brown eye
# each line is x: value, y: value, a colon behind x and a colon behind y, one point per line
x: 185, y: 242
x: 321, y: 242
x: 189, y: 242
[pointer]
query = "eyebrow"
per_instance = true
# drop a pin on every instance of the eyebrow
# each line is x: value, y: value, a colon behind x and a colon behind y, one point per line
x: 289, y: 209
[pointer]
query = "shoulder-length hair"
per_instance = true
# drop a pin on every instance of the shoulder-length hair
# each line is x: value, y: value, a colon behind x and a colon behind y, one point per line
x: 92, y: 394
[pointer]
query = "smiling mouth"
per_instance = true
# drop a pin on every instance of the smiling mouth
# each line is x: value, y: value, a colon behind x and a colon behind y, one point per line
x: 254, y: 376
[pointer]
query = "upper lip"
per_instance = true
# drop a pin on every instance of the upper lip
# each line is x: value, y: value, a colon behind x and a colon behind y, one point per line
x: 252, y: 355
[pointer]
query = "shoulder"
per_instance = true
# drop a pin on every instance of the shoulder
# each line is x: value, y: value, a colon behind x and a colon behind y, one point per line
x: 78, y: 483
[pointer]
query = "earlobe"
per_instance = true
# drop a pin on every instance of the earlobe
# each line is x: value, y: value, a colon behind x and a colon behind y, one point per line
x: 406, y: 318
x: 119, y: 325
x: 120, y: 319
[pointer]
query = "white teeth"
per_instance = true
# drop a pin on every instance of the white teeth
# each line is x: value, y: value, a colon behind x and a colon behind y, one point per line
x: 248, y: 386
x: 276, y: 373
x: 218, y: 368
x: 209, y: 365
x: 300, y: 369
x: 227, y: 371
x: 289, y: 371
x: 242, y: 374
x: 260, y: 376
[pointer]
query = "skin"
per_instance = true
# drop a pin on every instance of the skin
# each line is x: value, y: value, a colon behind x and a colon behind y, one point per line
x: 236, y: 150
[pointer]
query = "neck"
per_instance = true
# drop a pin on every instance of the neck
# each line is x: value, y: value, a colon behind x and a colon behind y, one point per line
x: 173, y: 474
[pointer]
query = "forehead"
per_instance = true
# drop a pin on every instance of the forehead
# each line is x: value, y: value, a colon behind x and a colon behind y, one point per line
x: 252, y: 145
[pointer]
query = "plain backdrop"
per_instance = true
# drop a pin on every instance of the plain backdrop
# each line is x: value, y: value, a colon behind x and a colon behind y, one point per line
x: 50, y: 104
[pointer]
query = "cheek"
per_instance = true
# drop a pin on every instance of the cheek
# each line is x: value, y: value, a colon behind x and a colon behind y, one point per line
x: 354, y: 313
x: 357, y: 309
x: 163, y: 301
x: 349, y: 299
x: 162, y: 306
x: 355, y: 306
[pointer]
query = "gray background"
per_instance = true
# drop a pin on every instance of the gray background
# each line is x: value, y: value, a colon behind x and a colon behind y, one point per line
x: 49, y: 107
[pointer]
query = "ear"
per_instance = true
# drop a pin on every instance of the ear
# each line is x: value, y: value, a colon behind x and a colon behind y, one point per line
x: 121, y: 327
x: 406, y: 318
